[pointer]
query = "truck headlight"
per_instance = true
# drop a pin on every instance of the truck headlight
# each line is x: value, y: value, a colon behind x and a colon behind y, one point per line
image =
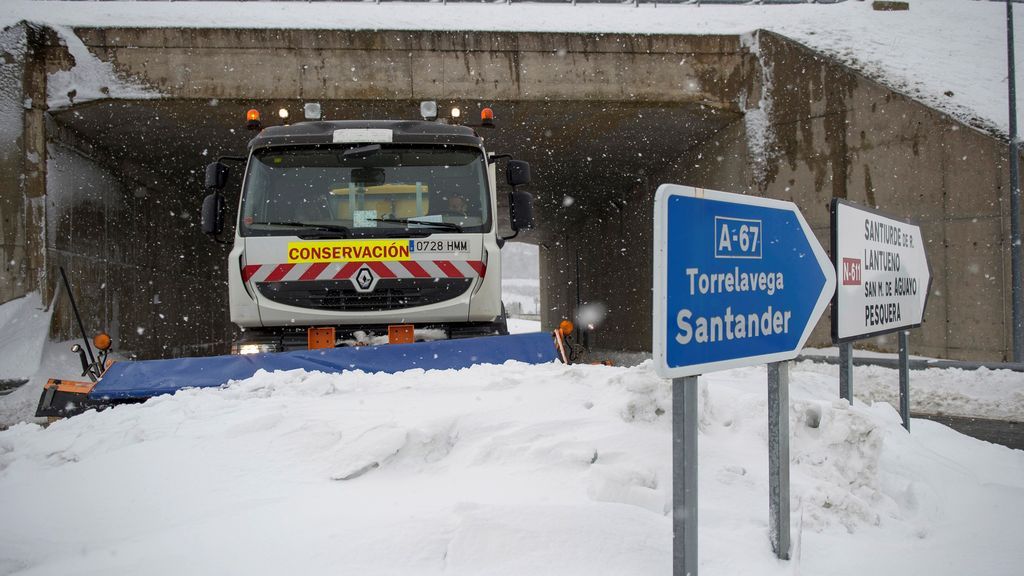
x: 248, y: 348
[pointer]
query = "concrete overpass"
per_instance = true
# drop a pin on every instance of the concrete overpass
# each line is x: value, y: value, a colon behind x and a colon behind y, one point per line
x: 109, y: 188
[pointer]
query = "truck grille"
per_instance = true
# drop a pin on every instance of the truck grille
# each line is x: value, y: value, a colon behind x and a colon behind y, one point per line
x: 340, y: 295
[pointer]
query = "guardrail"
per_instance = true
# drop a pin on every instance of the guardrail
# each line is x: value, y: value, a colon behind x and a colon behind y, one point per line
x: 916, y: 364
x: 633, y: 2
x: 574, y: 2
x: 626, y: 2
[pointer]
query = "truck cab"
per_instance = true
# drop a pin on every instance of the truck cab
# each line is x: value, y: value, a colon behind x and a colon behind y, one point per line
x: 360, y: 226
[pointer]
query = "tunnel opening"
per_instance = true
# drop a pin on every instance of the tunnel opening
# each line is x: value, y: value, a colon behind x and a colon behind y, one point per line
x: 125, y: 186
x: 603, y: 119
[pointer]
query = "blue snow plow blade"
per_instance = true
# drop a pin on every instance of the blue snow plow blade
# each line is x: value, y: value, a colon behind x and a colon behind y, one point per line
x: 148, y: 378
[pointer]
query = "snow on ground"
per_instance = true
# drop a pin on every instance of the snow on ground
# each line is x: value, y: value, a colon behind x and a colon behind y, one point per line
x: 859, y: 353
x: 24, y: 323
x: 950, y: 54
x: 512, y: 469
x: 57, y: 362
x: 26, y: 353
x: 982, y: 393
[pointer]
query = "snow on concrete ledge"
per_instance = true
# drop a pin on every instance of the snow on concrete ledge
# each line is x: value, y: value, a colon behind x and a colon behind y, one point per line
x: 90, y: 78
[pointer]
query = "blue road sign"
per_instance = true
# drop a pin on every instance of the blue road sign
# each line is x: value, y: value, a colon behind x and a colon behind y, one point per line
x: 738, y: 280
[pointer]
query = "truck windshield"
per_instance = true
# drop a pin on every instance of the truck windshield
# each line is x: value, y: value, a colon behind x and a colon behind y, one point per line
x: 365, y: 191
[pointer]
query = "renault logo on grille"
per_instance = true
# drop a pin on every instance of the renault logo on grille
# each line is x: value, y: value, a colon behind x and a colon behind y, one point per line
x: 364, y: 279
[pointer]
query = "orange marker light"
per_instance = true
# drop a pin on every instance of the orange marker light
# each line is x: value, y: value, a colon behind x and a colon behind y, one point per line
x: 566, y: 327
x: 487, y: 118
x: 101, y: 341
x: 252, y: 119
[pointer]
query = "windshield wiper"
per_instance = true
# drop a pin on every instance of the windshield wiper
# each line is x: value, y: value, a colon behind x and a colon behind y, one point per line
x: 308, y: 225
x: 446, y: 225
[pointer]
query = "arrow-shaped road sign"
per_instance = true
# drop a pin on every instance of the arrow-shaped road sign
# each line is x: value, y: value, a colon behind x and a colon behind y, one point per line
x: 738, y: 280
x: 884, y: 274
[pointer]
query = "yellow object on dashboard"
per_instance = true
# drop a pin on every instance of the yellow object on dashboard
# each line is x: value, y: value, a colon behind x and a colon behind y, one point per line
x: 393, y: 200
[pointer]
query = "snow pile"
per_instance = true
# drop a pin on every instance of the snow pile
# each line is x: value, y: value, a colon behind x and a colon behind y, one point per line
x: 90, y: 78
x: 25, y: 353
x: 58, y: 361
x: 983, y: 393
x: 950, y: 54
x: 510, y: 469
x: 989, y: 394
x: 24, y: 324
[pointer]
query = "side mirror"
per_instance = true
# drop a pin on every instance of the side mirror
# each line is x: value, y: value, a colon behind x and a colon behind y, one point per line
x: 517, y: 173
x: 216, y: 175
x: 521, y: 209
x: 212, y: 219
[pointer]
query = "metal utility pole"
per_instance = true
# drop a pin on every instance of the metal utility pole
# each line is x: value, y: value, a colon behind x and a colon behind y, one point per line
x: 1015, y: 240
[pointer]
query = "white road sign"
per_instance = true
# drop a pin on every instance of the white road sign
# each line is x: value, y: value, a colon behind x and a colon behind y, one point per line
x: 882, y: 272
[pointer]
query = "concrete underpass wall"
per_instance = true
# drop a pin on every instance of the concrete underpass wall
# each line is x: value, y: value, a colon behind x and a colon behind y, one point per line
x: 814, y: 130
x: 400, y: 65
x: 833, y: 133
x: 139, y: 267
x: 21, y: 155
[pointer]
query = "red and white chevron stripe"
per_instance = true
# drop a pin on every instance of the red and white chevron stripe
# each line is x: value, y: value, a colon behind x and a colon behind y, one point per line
x: 345, y: 270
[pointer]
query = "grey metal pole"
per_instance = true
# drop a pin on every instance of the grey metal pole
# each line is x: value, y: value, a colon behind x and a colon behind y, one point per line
x: 778, y: 458
x: 846, y: 371
x: 904, y: 380
x: 684, y: 476
x: 1017, y: 290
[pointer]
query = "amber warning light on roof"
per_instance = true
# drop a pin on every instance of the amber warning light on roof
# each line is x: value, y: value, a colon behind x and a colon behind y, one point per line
x: 252, y: 119
x: 487, y: 118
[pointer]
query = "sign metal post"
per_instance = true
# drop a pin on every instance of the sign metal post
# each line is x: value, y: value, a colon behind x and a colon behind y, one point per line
x: 1016, y: 274
x: 684, y: 475
x: 904, y: 364
x: 846, y: 371
x: 778, y: 458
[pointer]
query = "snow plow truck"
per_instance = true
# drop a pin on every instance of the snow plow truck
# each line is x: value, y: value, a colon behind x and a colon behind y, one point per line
x: 367, y: 245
